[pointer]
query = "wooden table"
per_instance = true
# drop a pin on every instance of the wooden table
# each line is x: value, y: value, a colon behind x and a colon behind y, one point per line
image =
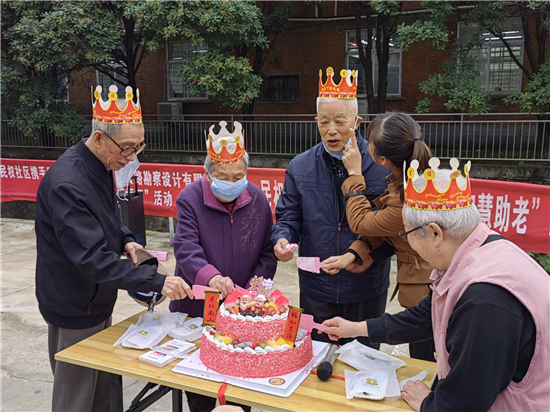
x: 98, y: 352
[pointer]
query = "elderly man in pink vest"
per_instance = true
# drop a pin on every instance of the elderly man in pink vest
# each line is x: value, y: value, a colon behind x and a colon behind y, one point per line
x: 488, y: 310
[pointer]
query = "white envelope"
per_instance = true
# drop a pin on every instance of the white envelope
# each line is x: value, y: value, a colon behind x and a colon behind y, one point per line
x: 374, y: 385
x: 363, y: 358
x: 150, y: 329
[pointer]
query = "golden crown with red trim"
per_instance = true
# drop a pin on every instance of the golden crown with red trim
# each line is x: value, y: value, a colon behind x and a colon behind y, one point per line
x: 346, y: 89
x: 225, y: 148
x: 110, y: 112
x: 430, y: 198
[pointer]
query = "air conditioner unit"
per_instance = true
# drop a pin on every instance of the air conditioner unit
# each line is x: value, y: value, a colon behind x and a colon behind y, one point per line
x: 168, y: 111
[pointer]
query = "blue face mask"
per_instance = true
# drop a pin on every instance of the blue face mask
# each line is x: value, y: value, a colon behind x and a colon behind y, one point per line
x: 228, y: 191
x: 336, y: 155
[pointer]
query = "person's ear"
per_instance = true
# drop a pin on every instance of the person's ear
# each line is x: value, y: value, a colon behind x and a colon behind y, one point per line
x: 96, y: 138
x: 383, y: 161
x: 436, y: 233
x: 359, y: 120
x: 316, y: 120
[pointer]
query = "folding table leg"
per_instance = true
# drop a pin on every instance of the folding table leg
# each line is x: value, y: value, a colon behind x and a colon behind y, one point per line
x: 115, y: 386
x: 177, y: 402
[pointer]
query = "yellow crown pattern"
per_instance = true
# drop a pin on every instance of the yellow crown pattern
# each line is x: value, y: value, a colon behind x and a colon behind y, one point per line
x: 110, y: 112
x: 430, y: 198
x: 346, y: 89
x: 225, y: 147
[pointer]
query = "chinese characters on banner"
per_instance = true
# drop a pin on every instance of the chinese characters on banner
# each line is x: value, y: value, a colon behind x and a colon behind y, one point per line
x: 211, y: 301
x: 519, y: 211
x: 292, y: 323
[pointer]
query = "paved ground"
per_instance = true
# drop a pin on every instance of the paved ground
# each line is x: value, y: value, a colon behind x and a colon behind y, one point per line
x: 26, y: 380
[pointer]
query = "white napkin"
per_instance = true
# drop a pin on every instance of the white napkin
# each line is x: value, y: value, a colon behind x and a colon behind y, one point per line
x: 150, y: 329
x: 366, y: 359
x: 420, y: 377
x: 190, y: 330
x: 377, y: 378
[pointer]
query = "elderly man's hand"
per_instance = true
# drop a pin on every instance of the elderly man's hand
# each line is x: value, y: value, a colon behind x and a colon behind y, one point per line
x: 414, y: 393
x: 334, y: 263
x: 356, y: 267
x: 337, y: 328
x: 176, y: 288
x: 281, y: 253
x: 130, y: 250
x: 223, y: 283
x: 352, y: 158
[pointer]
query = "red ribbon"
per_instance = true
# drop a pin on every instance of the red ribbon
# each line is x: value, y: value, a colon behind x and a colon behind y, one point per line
x: 340, y: 378
x: 221, y: 393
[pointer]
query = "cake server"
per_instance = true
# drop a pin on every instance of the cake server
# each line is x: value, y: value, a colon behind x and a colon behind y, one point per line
x: 307, y: 323
x: 310, y: 264
x: 198, y: 291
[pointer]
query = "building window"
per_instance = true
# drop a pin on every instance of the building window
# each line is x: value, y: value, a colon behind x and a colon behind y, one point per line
x: 281, y: 89
x: 354, y: 63
x: 177, y: 52
x: 106, y: 81
x: 497, y: 71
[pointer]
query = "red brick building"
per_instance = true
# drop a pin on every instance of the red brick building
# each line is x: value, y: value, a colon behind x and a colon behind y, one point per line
x: 318, y: 37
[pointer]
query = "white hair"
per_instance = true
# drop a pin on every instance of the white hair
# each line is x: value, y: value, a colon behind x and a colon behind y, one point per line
x: 458, y: 223
x: 351, y: 103
x: 112, y: 130
x: 210, y: 166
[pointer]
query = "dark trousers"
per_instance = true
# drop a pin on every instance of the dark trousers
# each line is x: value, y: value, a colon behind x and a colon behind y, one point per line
x: 76, y: 388
x: 202, y: 403
x: 356, y: 312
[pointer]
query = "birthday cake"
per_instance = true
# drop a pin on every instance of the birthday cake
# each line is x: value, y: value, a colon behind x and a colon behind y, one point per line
x: 248, y: 339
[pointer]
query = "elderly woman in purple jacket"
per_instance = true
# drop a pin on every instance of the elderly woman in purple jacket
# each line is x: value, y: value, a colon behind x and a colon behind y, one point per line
x: 224, y: 226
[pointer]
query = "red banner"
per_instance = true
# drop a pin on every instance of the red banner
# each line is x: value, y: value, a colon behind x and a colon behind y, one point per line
x: 519, y: 211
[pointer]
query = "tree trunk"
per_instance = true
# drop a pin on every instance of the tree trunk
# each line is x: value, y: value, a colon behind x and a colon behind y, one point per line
x: 365, y: 55
x: 383, y: 54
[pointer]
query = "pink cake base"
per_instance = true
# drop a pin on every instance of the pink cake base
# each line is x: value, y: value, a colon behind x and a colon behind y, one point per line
x: 250, y: 331
x: 249, y: 365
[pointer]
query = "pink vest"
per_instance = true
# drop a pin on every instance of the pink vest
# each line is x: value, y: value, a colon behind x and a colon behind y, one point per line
x: 501, y: 263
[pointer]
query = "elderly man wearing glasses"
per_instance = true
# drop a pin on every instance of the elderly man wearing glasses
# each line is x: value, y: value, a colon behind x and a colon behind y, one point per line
x: 79, y: 242
x: 487, y: 310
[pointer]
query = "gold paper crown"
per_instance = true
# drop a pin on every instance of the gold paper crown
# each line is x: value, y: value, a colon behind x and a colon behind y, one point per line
x: 110, y: 112
x: 346, y: 89
x: 225, y: 148
x: 429, y: 198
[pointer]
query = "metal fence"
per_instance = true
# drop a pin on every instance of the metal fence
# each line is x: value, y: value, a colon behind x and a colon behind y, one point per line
x: 499, y: 136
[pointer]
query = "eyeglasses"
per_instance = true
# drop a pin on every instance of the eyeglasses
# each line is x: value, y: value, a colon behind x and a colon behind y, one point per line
x: 404, y: 234
x: 127, y: 151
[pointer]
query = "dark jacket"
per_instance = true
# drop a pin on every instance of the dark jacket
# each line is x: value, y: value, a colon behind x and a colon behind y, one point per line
x: 311, y: 212
x: 79, y: 240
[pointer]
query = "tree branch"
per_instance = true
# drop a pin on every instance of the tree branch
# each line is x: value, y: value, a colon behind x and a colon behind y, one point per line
x: 140, y: 59
x: 107, y: 73
x: 511, y: 53
x: 365, y: 56
x: 394, y: 25
x: 542, y: 34
x: 527, y: 38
